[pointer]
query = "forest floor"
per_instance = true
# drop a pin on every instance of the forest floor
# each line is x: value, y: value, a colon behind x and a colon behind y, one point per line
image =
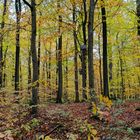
x: 75, y: 121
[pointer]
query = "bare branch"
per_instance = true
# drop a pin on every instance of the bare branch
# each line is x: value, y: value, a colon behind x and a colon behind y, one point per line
x: 95, y: 2
x: 27, y: 3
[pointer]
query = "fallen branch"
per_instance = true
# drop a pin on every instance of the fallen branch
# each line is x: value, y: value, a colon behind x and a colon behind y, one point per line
x: 138, y: 109
x: 60, y: 125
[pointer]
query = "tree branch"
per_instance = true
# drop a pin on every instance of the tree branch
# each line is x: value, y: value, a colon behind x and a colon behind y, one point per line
x: 95, y: 3
x: 27, y: 3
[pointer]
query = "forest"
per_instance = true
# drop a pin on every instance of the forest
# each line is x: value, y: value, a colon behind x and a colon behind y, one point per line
x: 69, y: 69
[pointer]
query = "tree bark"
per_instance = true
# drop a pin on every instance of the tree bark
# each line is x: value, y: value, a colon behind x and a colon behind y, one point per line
x: 1, y: 41
x: 105, y: 63
x: 84, y: 53
x: 90, y: 50
x: 56, y: 80
x: 17, y: 59
x: 60, y: 73
x: 75, y: 57
x: 66, y: 73
x: 49, y: 74
x: 34, y: 56
x: 29, y: 71
x: 34, y: 59
x: 138, y: 15
x: 122, y: 83
x: 138, y: 30
x: 4, y: 67
x: 100, y: 65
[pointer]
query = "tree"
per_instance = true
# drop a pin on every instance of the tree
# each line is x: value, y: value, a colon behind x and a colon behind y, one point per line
x: 1, y: 41
x: 75, y: 55
x: 29, y: 70
x: 105, y: 64
x: 90, y: 49
x: 84, y: 52
x: 32, y: 7
x: 138, y: 28
x: 138, y: 15
x: 17, y: 59
x: 60, y: 73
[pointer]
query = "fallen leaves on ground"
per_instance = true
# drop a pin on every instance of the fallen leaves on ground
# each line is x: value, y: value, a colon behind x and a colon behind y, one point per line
x: 71, y: 121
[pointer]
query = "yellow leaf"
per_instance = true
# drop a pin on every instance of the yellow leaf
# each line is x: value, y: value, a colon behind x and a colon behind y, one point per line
x: 101, y: 97
x: 88, y: 136
x: 48, y: 138
x: 94, y: 132
x: 94, y: 110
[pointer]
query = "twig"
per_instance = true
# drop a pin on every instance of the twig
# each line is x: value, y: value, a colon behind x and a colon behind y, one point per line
x: 27, y: 3
x: 60, y: 125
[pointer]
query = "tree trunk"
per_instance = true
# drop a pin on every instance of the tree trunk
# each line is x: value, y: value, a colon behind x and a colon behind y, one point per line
x: 110, y: 70
x: 49, y: 74
x: 56, y: 80
x: 100, y: 65
x: 60, y: 73
x: 1, y: 41
x: 84, y: 52
x: 34, y: 59
x: 138, y: 15
x: 84, y: 75
x: 105, y: 64
x: 138, y: 31
x: 21, y: 77
x: 122, y: 83
x: 17, y: 59
x: 75, y: 56
x: 90, y: 50
x: 84, y: 22
x: 66, y: 73
x: 39, y: 46
x: 4, y: 67
x: 34, y: 56
x: 29, y: 71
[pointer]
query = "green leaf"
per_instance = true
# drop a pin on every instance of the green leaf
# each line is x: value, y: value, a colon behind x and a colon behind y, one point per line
x: 130, y: 131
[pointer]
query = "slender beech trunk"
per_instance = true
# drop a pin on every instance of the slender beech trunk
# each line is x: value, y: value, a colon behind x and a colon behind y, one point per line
x: 75, y: 56
x: 110, y: 66
x: 21, y: 77
x: 138, y: 31
x: 138, y: 15
x: 17, y: 59
x: 60, y: 73
x: 49, y: 73
x: 105, y: 64
x: 110, y: 70
x: 34, y: 59
x: 43, y: 77
x: 1, y: 41
x: 29, y: 71
x: 84, y: 53
x: 39, y: 45
x: 34, y: 56
x: 46, y: 64
x: 100, y: 64
x: 84, y: 22
x: 122, y: 83
x: 90, y: 49
x: 66, y: 73
x: 4, y: 67
x: 56, y: 80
